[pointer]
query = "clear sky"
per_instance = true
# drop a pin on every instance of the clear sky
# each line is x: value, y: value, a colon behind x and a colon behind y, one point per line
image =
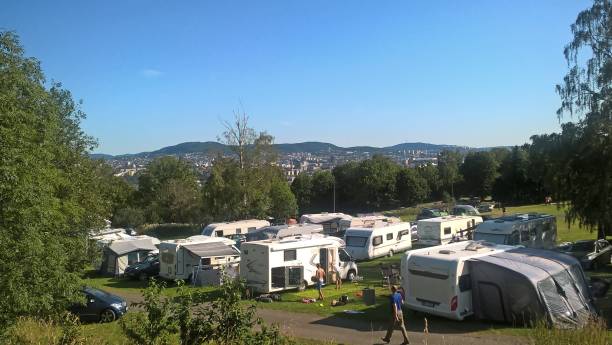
x: 155, y: 73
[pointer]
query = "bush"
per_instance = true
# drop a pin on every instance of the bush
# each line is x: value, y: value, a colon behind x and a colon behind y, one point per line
x: 593, y: 333
x: 31, y: 331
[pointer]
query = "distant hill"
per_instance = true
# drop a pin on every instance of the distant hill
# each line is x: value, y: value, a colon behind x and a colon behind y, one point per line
x: 212, y: 147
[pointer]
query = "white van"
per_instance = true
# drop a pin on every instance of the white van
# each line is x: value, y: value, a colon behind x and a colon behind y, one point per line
x: 231, y: 229
x: 331, y: 222
x: 436, y: 280
x: 289, y: 263
x: 530, y: 230
x: 282, y: 231
x: 379, y: 239
x: 442, y: 230
x: 179, y: 259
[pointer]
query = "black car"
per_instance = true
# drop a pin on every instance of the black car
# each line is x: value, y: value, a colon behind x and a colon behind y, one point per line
x: 149, y: 267
x: 427, y: 213
x: 100, y: 306
x: 592, y: 254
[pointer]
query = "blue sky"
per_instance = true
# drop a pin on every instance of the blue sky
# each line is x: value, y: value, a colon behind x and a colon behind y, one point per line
x: 157, y: 73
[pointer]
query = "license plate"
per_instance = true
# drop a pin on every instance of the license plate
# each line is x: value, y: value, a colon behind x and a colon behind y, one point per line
x: 428, y: 304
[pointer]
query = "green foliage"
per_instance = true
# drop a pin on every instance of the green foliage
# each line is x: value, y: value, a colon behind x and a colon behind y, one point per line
x: 593, y: 333
x: 448, y: 170
x: 35, y: 331
x: 168, y: 191
x: 282, y: 201
x: 49, y: 190
x: 430, y: 173
x: 479, y: 171
x: 514, y: 185
x: 302, y: 189
x: 156, y: 324
x: 411, y: 187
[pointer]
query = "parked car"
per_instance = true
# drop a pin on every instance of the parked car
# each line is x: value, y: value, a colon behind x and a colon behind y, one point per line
x: 465, y: 210
x: 486, y: 207
x: 99, y: 306
x: 427, y: 213
x: 592, y: 254
x: 149, y: 267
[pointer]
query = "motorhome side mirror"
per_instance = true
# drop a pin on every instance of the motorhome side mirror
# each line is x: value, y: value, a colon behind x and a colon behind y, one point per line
x: 91, y: 300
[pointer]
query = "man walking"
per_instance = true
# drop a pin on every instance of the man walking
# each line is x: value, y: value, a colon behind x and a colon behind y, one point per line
x: 320, y: 277
x: 397, y: 317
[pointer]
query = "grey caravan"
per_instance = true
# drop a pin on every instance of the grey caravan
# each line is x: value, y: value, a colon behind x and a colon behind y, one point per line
x: 525, y: 284
x: 530, y: 230
x: 282, y: 231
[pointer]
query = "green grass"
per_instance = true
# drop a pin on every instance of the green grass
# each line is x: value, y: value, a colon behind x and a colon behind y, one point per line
x: 170, y: 231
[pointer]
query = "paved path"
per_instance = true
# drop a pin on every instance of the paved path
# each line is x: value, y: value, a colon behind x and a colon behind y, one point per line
x: 347, y: 331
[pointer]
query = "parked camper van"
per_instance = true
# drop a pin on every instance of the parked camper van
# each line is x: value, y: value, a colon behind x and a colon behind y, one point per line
x: 442, y: 230
x: 332, y: 223
x: 231, y: 229
x: 282, y: 231
x: 437, y: 279
x: 289, y: 263
x: 530, y: 230
x: 379, y: 239
x: 179, y: 259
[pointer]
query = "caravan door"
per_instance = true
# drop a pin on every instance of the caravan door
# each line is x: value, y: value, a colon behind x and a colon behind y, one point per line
x: 327, y: 259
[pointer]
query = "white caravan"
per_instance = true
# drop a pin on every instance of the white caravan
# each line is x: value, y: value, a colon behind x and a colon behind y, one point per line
x: 231, y: 229
x: 290, y: 263
x: 442, y: 230
x: 379, y: 239
x: 530, y: 230
x: 436, y: 280
x: 179, y: 259
x: 333, y: 223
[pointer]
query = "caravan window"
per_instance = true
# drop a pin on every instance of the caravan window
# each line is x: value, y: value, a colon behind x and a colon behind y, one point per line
x: 251, y: 229
x: 238, y: 231
x: 356, y: 241
x: 376, y: 241
x: 447, y: 231
x: 465, y: 283
x: 402, y: 234
x: 219, y: 233
x: 389, y: 236
x: 132, y: 258
x: 428, y: 274
x: 167, y: 257
x: 290, y: 255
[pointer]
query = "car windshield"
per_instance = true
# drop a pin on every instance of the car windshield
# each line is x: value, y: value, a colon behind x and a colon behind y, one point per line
x: 582, y: 246
x: 97, y: 293
x: 356, y: 241
x: 208, y: 231
x: 493, y: 238
x: 150, y: 258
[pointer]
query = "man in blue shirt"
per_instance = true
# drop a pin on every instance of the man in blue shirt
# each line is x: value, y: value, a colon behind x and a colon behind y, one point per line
x: 397, y: 318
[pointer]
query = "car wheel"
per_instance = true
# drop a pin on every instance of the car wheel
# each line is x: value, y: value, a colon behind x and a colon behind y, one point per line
x: 391, y: 253
x: 142, y: 277
x: 350, y: 276
x: 303, y: 286
x: 107, y: 315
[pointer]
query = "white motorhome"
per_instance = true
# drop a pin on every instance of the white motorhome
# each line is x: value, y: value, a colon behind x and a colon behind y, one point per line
x: 436, y: 280
x: 290, y: 263
x: 333, y: 223
x: 442, y: 230
x: 530, y: 230
x: 378, y: 239
x: 179, y: 259
x: 231, y: 229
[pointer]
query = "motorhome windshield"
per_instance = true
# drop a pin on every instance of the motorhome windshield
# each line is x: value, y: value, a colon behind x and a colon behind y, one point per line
x: 208, y: 231
x: 492, y: 238
x: 356, y: 241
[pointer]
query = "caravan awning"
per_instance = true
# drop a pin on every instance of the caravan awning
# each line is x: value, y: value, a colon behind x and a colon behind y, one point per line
x: 205, y: 250
x: 122, y: 247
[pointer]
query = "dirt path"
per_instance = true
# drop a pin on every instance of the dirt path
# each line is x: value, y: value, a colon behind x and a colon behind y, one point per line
x: 347, y: 331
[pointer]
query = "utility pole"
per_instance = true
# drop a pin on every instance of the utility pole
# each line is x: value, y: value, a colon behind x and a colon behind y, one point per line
x: 334, y: 196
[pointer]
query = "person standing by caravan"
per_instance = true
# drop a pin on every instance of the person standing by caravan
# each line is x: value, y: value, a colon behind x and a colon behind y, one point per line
x: 338, y: 271
x: 320, y: 277
x: 397, y: 317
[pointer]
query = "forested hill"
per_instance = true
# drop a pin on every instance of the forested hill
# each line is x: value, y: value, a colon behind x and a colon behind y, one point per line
x: 309, y: 146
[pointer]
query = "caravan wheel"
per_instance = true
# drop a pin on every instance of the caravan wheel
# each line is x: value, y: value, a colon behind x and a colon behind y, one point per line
x: 351, y: 275
x: 303, y: 286
x: 391, y: 253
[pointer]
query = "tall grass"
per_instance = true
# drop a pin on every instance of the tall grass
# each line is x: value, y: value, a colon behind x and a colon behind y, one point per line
x: 593, y: 333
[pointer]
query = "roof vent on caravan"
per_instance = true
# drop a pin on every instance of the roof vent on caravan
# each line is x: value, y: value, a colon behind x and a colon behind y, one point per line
x: 474, y: 246
x: 446, y: 251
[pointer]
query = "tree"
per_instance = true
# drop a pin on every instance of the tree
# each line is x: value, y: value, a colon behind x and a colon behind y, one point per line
x: 322, y: 191
x: 479, y: 171
x: 345, y: 176
x: 448, y: 169
x: 376, y: 178
x: 49, y: 190
x: 430, y: 173
x: 302, y: 189
x: 282, y: 201
x: 587, y: 90
x: 513, y: 185
x: 411, y: 187
x: 169, y: 191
